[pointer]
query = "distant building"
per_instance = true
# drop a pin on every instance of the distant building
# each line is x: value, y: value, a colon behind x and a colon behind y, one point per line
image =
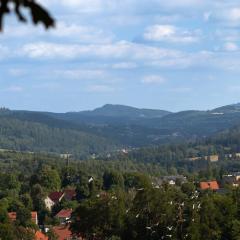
x: 56, y: 197
x: 49, y: 203
x: 209, y: 185
x: 194, y: 158
x: 232, y: 179
x: 229, y: 155
x: 212, y: 158
x: 65, y: 156
x: 64, y: 216
x: 34, y: 217
x: 172, y: 180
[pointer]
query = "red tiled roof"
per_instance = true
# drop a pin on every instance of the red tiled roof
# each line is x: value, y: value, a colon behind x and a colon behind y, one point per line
x: 12, y: 216
x: 64, y: 213
x: 55, y: 196
x: 63, y: 232
x: 40, y: 236
x: 212, y: 185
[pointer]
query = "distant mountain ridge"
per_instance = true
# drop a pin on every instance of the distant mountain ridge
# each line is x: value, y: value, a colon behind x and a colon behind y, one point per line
x: 228, y: 109
x: 110, y: 110
x: 109, y: 128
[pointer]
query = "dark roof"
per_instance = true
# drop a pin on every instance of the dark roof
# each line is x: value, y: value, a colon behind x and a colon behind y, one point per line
x: 55, y: 196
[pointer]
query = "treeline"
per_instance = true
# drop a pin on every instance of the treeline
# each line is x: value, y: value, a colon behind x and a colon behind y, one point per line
x: 168, y: 212
x: 115, y: 199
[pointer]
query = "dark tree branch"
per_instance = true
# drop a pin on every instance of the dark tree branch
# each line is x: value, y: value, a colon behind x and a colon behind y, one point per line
x: 38, y: 13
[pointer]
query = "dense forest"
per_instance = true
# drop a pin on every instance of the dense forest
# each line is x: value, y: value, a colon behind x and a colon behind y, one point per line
x: 117, y: 198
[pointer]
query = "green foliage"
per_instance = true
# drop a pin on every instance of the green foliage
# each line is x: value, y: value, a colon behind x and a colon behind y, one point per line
x: 112, y: 179
x: 99, y: 217
x: 49, y: 179
x: 23, y: 217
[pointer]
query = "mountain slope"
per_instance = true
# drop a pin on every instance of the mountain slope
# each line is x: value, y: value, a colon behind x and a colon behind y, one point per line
x: 110, y: 110
x: 109, y: 128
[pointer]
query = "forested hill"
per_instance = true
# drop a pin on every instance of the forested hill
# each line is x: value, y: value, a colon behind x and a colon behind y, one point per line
x: 20, y: 132
x: 109, y: 128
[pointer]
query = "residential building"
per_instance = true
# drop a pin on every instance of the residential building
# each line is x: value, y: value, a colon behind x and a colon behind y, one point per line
x: 172, y: 180
x: 232, y: 179
x: 52, y: 199
x: 212, y: 158
x: 64, y: 216
x: 209, y: 185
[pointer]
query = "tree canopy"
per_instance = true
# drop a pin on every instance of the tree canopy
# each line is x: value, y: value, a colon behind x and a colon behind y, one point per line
x: 38, y: 13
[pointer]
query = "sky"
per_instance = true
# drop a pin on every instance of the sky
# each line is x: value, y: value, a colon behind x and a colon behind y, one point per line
x: 173, y: 55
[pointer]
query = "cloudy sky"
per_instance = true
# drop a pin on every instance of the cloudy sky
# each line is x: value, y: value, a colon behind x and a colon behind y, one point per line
x: 173, y: 55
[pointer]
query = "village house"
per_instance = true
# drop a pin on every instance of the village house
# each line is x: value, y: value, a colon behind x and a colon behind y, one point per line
x: 52, y: 199
x: 209, y: 185
x: 64, y: 216
x: 194, y: 158
x: 34, y: 217
x: 49, y: 203
x: 212, y: 158
x: 56, y: 197
x: 232, y: 179
x: 173, y: 180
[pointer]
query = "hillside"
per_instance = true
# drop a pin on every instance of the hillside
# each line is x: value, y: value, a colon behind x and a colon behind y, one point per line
x: 109, y: 128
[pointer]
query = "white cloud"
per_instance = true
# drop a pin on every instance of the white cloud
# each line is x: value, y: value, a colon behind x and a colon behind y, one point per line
x: 64, y: 31
x: 77, y: 74
x: 230, y: 46
x: 170, y: 33
x: 228, y: 16
x: 124, y: 65
x: 79, y: 33
x: 234, y: 14
x: 153, y: 79
x: 118, y: 50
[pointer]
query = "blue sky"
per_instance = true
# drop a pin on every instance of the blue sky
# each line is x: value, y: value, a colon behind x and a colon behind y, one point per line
x: 173, y: 55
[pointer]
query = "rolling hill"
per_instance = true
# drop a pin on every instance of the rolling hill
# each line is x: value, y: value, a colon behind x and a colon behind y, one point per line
x: 109, y: 128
